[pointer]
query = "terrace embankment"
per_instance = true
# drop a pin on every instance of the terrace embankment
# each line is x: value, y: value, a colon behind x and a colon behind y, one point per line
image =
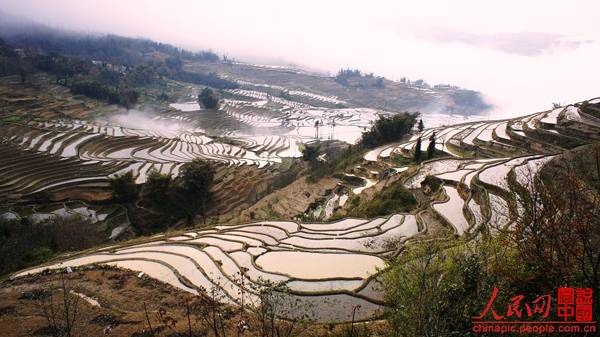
x: 29, y: 172
x: 81, y: 192
x: 290, y: 201
x: 239, y: 187
x: 41, y: 98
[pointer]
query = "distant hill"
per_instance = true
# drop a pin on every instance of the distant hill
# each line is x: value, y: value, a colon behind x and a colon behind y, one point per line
x: 365, y: 90
x: 355, y: 88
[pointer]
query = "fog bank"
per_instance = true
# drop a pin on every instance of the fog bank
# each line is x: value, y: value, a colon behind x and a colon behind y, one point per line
x: 522, y: 55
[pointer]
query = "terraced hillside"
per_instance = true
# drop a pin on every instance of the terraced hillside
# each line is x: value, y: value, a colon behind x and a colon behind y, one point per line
x: 255, y: 125
x: 317, y: 89
x: 254, y: 129
x: 112, y: 221
x: 323, y: 265
x: 487, y: 162
x: 331, y: 266
x: 66, y: 147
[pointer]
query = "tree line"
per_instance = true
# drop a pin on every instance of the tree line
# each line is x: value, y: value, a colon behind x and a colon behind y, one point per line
x: 163, y: 200
x: 344, y: 74
x: 385, y: 129
x: 107, y: 68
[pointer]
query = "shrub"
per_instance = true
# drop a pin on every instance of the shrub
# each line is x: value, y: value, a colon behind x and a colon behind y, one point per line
x: 25, y: 243
x: 338, y: 161
x: 394, y: 199
x: 388, y: 129
x: 433, y: 182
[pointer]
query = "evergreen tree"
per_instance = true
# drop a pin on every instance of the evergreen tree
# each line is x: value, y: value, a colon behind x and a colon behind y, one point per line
x: 418, y: 151
x: 158, y: 186
x: 128, y: 97
x: 208, y: 99
x: 431, y: 146
x: 123, y: 187
x: 198, y: 176
x: 388, y: 129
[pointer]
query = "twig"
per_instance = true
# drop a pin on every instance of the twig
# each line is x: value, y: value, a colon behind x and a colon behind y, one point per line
x: 148, y: 320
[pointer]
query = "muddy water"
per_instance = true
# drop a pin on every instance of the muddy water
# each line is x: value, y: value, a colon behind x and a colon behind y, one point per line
x: 330, y: 206
x: 187, y: 106
x: 340, y: 225
x: 452, y: 210
x: 306, y: 265
x: 155, y: 270
x: 333, y: 285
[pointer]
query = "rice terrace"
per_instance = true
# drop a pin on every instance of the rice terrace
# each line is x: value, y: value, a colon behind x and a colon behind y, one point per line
x: 142, y: 184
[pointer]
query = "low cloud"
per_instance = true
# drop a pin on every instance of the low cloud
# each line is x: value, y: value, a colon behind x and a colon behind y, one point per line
x: 145, y: 120
x: 522, y: 43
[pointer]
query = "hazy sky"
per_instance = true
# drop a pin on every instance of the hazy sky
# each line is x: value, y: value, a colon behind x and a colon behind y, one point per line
x: 523, y: 55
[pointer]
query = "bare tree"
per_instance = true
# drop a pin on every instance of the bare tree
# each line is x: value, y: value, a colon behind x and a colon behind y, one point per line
x: 61, y: 314
x: 556, y: 232
x: 275, y: 303
x: 211, y: 310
